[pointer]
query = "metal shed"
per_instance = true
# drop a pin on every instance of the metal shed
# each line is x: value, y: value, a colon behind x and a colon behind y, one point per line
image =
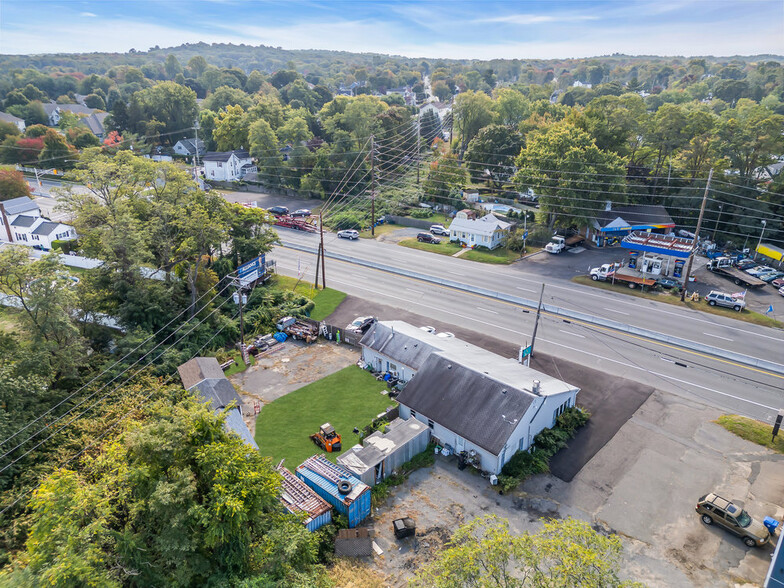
x: 383, y: 453
x: 297, y: 497
x: 324, y: 477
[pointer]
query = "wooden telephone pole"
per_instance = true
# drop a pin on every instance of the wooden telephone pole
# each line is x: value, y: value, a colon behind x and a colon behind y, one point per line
x: 696, y: 236
x: 372, y: 185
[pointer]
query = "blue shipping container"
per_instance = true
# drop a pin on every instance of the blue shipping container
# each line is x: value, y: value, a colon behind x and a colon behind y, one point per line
x: 323, y: 477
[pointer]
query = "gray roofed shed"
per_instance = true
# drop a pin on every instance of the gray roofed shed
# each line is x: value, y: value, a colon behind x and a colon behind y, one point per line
x: 197, y: 369
x: 468, y: 402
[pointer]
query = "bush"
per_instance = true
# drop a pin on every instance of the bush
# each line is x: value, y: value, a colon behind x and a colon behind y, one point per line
x: 421, y: 213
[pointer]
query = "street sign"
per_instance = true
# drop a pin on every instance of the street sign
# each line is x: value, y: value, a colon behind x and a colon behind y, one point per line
x: 525, y: 235
x: 526, y: 351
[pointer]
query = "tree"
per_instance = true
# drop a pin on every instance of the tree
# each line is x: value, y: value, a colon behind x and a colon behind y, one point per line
x: 95, y: 101
x: 56, y: 151
x: 491, y: 154
x: 294, y: 131
x: 48, y: 299
x: 445, y: 177
x: 231, y: 129
x: 511, y: 107
x: 226, y: 96
x: 197, y: 65
x: 172, y: 66
x: 750, y: 134
x: 442, y: 91
x: 484, y: 553
x: 12, y: 185
x: 171, y: 104
x: 430, y: 127
x: 471, y: 112
x: 574, y: 177
x: 264, y: 148
x: 8, y: 129
x: 174, y: 500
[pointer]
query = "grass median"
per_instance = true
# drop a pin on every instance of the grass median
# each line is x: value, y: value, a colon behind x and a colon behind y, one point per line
x: 326, y: 300
x: 442, y: 248
x: 752, y: 430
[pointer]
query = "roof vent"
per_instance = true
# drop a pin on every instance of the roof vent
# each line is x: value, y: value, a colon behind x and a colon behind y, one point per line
x: 503, y: 391
x: 449, y: 367
x: 536, y: 387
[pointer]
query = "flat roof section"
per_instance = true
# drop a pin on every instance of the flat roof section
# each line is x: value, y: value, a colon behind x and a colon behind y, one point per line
x: 659, y: 244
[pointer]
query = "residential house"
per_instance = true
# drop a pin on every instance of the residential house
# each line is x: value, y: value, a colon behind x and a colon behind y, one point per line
x: 54, y: 110
x: 297, y: 497
x: 190, y: 147
x: 381, y: 454
x: 228, y: 166
x: 205, y: 375
x: 344, y: 491
x: 14, y: 120
x: 439, y: 108
x: 767, y: 172
x: 39, y: 232
x: 488, y: 231
x: 613, y: 224
x: 21, y: 205
x: 94, y: 122
x: 472, y: 400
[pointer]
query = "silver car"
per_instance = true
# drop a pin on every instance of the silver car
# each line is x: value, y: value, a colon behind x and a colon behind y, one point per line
x: 716, y: 298
x: 349, y: 234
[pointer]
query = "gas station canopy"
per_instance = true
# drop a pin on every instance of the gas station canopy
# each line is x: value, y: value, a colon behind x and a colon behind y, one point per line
x: 659, y: 244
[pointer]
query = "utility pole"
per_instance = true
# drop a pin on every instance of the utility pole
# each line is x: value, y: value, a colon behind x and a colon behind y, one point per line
x: 196, y: 150
x: 6, y: 223
x: 696, y: 236
x: 536, y: 326
x: 716, y: 226
x: 372, y: 185
x: 323, y: 254
x: 419, y: 139
x: 241, y: 298
x: 318, y: 264
x: 764, y: 224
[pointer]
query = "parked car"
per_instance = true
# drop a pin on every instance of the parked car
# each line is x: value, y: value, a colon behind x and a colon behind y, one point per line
x: 760, y: 270
x: 446, y: 335
x: 770, y: 276
x: 428, y: 238
x: 360, y: 324
x: 278, y: 210
x: 716, y: 298
x: 781, y: 290
x: 745, y: 264
x: 439, y: 230
x: 668, y: 283
x: 777, y: 283
x: 349, y: 234
x: 428, y: 329
x: 301, y: 212
x: 712, y: 508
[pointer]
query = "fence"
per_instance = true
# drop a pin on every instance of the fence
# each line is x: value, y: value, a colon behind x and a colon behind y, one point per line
x: 333, y: 333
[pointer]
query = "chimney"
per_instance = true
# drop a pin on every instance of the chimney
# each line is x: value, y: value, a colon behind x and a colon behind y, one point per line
x: 535, y: 389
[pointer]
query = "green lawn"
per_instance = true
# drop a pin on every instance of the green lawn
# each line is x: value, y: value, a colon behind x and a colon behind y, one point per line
x: 239, y: 365
x: 326, y: 300
x: 752, y: 430
x: 671, y: 297
x: 444, y: 248
x: 380, y: 230
x: 499, y: 255
x: 348, y: 398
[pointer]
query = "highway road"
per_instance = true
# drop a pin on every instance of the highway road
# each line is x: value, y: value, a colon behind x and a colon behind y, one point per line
x: 721, y: 383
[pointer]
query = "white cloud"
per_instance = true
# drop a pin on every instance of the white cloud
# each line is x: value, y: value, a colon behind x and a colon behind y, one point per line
x: 90, y: 14
x: 530, y: 19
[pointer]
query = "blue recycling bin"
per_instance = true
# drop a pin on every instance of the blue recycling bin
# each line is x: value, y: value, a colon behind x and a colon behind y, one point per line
x: 771, y: 524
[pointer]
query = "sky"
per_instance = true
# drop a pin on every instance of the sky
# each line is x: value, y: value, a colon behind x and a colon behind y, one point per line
x: 455, y: 29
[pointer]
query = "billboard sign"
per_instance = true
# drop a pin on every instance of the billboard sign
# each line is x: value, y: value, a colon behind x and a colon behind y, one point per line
x: 251, y: 271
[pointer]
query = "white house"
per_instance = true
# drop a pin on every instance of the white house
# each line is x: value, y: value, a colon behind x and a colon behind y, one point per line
x: 471, y: 399
x: 228, y: 166
x: 14, y: 120
x: 53, y: 111
x: 487, y: 231
x: 439, y: 108
x: 39, y: 232
x: 189, y: 147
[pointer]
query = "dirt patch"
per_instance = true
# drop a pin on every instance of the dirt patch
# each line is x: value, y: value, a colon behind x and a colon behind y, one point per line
x: 288, y: 367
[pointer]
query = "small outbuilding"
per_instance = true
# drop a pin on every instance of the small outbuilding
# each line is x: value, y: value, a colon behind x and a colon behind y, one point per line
x: 383, y: 453
x: 613, y: 224
x: 297, y: 497
x: 344, y: 491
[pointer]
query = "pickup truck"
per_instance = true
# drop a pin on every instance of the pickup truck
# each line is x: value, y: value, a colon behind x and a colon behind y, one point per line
x: 612, y: 272
x: 560, y: 243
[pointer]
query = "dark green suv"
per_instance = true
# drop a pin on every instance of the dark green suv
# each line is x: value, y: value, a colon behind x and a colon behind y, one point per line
x: 712, y: 508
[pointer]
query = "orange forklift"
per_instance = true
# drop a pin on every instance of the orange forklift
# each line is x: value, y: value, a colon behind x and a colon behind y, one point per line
x: 327, y: 439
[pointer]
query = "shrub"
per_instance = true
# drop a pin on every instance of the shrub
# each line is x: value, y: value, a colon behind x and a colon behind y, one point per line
x: 421, y: 213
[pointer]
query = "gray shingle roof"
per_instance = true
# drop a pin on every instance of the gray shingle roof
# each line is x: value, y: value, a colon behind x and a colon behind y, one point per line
x: 226, y: 155
x: 45, y: 228
x: 218, y: 392
x: 468, y: 403
x: 404, y: 348
x: 94, y: 122
x: 190, y: 145
x: 636, y: 215
x: 77, y: 108
x: 24, y: 221
x: 19, y: 205
x: 5, y: 117
x: 197, y: 369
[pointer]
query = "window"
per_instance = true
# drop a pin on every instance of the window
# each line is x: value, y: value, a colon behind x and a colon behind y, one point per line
x: 220, y: 164
x: 522, y: 444
x: 413, y: 414
x: 430, y: 423
x: 392, y: 367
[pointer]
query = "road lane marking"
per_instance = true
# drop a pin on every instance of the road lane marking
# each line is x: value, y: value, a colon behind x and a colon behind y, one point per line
x: 487, y: 310
x: 614, y: 311
x: 525, y: 289
x: 718, y: 337
x: 571, y: 334
x: 414, y: 291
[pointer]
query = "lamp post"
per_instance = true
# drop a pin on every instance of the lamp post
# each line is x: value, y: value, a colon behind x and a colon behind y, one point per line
x: 764, y: 224
x: 716, y: 226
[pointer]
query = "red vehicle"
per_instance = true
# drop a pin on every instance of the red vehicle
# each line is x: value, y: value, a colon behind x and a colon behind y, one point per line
x: 300, y: 224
